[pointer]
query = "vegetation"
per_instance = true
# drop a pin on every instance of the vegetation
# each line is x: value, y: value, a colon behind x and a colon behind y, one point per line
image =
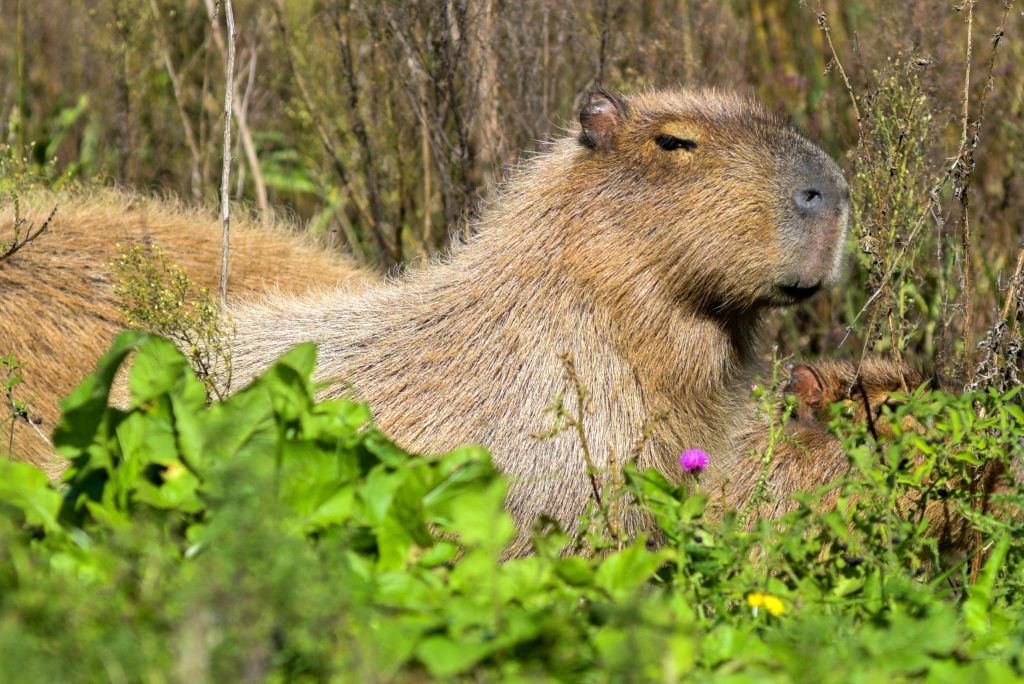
x: 385, y: 123
x: 271, y: 537
x: 157, y: 296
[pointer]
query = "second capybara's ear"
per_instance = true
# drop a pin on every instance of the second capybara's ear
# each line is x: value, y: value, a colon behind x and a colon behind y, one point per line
x: 806, y: 383
x: 600, y: 117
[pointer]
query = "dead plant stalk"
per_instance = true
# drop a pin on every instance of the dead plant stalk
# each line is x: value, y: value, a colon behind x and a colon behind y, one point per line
x: 225, y: 178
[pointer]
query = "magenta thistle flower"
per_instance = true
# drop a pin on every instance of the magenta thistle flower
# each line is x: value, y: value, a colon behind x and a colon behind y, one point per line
x: 693, y: 460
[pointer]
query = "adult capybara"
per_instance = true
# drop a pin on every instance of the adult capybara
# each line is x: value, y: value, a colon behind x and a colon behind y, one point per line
x: 807, y: 455
x: 648, y: 248
x: 58, y: 311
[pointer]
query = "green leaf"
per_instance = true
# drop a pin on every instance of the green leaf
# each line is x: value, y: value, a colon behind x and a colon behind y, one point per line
x: 82, y: 412
x: 976, y: 607
x: 26, y: 489
x: 159, y: 368
x: 574, y: 570
x: 624, y: 572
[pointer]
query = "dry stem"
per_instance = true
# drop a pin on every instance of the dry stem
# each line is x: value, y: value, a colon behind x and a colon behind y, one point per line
x: 961, y: 188
x: 225, y: 177
x: 823, y: 25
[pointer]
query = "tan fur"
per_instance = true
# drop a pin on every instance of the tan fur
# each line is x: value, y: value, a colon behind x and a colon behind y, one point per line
x: 650, y: 269
x: 58, y: 313
x: 809, y: 456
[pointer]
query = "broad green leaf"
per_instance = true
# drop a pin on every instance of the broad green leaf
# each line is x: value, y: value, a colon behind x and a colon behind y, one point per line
x: 26, y: 489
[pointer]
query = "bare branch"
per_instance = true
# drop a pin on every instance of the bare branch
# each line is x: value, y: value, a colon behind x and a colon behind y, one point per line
x: 186, y: 123
x: 225, y: 178
x: 823, y: 25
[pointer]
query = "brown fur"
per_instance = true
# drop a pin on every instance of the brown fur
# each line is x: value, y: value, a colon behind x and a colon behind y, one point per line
x: 650, y: 269
x: 58, y: 313
x: 809, y: 456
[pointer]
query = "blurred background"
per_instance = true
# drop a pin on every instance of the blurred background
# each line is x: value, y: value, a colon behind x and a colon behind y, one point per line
x: 384, y: 124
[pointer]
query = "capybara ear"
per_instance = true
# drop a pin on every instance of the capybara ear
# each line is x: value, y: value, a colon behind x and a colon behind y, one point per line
x: 806, y: 384
x: 600, y: 117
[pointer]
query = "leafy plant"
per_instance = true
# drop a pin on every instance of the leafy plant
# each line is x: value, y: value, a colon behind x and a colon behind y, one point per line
x: 158, y: 296
x: 274, y: 537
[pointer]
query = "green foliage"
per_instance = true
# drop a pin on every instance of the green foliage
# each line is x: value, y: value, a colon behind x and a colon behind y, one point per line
x: 274, y: 537
x: 17, y: 409
x: 158, y: 296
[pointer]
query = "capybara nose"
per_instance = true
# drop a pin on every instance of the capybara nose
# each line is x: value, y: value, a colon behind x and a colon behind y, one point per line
x: 824, y: 199
x: 821, y: 198
x: 809, y: 201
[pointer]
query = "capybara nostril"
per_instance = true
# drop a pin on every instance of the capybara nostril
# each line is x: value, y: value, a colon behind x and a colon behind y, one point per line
x: 810, y: 201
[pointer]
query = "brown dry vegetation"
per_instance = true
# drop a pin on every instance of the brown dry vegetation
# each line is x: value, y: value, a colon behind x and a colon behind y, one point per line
x: 384, y: 123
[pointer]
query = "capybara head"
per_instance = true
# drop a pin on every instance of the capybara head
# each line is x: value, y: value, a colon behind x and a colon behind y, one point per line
x: 727, y: 200
x: 865, y: 388
x: 809, y: 456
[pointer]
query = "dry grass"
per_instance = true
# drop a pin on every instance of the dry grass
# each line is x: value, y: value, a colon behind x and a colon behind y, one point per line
x: 386, y: 123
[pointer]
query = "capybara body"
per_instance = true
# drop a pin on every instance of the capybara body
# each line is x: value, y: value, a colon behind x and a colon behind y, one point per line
x: 807, y: 455
x: 58, y: 311
x: 647, y: 249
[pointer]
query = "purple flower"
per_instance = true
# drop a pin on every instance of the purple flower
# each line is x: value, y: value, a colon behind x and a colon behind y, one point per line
x: 693, y: 460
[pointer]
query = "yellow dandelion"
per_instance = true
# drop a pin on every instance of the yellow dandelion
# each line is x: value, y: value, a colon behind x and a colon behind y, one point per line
x: 773, y: 604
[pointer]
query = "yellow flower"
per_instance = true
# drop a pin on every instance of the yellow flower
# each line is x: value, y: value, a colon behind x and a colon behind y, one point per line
x: 173, y: 469
x: 773, y: 604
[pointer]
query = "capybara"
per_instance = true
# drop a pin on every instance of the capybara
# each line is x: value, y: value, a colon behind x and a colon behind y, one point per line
x: 807, y: 455
x: 647, y: 248
x: 58, y: 311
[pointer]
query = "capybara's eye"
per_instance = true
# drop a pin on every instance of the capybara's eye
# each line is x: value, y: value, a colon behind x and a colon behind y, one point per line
x: 671, y: 142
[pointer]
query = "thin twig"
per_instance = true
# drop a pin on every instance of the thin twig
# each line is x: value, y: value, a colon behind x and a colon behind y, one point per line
x: 823, y: 25
x: 225, y: 178
x: 576, y: 423
x: 389, y: 254
x: 565, y: 419
x: 969, y: 144
x: 19, y: 71
x: 186, y: 123
x: 602, y: 54
x: 245, y: 136
x: 1015, y: 281
x: 961, y: 188
x: 315, y: 115
x: 8, y: 249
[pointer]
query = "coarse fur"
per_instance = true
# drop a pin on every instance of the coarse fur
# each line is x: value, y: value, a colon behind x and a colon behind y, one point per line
x: 808, y: 455
x: 58, y: 311
x: 651, y: 269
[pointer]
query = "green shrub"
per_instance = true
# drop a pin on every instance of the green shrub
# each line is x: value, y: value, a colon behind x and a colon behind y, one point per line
x: 272, y: 537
